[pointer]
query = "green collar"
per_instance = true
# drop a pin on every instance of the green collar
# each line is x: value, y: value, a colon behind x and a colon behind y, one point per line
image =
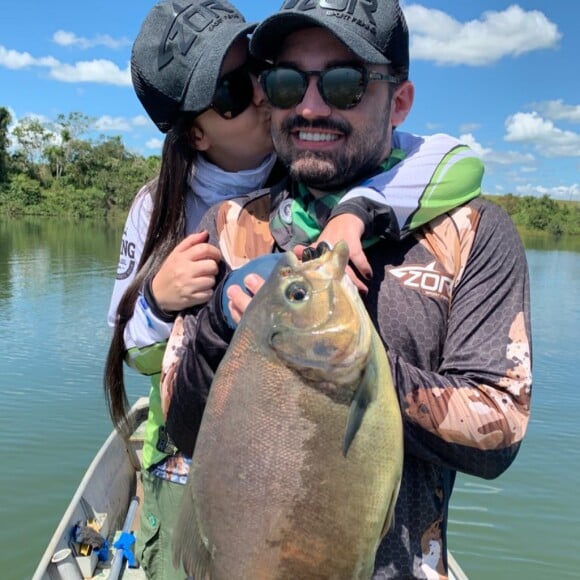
x: 301, y: 220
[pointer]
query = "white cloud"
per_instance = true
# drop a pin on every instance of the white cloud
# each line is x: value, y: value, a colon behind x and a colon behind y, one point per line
x: 470, y: 140
x: 469, y: 127
x: 108, y: 123
x: 558, y: 192
x: 542, y: 134
x: 141, y: 121
x: 154, y: 143
x: 92, y: 71
x: 509, y: 157
x: 557, y: 110
x: 496, y: 157
x: 13, y: 59
x: 436, y: 36
x: 53, y: 135
x: 95, y: 71
x: 43, y: 119
x: 65, y: 38
x: 120, y: 124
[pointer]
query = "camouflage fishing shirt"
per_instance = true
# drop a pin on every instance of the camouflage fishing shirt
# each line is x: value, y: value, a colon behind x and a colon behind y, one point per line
x: 451, y: 303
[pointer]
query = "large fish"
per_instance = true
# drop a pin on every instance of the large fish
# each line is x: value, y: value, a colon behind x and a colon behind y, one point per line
x: 298, y: 460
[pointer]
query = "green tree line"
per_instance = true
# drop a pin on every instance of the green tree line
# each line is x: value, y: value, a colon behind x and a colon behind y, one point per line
x: 543, y: 213
x: 53, y: 170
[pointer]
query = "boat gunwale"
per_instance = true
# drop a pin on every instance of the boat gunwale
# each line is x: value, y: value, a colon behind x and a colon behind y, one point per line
x: 137, y: 415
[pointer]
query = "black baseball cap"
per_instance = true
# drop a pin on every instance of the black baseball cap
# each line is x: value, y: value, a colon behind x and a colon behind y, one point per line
x: 376, y: 32
x: 178, y: 53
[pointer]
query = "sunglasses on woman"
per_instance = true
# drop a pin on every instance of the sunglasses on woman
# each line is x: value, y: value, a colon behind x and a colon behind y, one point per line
x: 233, y: 94
x: 341, y: 87
x: 235, y: 90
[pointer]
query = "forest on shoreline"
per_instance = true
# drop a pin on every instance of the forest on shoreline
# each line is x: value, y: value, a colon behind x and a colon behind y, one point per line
x: 55, y: 171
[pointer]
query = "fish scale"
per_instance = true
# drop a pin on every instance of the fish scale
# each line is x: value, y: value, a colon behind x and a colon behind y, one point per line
x: 274, y: 492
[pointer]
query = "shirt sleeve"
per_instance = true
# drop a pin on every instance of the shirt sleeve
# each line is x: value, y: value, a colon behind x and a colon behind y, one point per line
x: 144, y: 331
x: 198, y: 342
x: 437, y: 174
x: 472, y: 413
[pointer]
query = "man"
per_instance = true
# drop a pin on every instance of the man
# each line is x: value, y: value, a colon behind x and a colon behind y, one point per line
x: 451, y: 301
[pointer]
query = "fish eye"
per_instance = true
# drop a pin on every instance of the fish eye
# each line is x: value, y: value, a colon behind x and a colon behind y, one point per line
x: 296, y: 292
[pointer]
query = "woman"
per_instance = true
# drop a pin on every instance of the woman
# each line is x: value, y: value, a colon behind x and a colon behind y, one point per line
x: 217, y: 143
x: 193, y: 76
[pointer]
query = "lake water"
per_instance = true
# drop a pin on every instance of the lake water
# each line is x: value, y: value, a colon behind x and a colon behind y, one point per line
x: 55, y: 283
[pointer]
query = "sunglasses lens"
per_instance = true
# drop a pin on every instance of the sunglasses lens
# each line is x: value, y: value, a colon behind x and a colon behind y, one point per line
x: 343, y: 87
x: 233, y: 94
x: 284, y: 87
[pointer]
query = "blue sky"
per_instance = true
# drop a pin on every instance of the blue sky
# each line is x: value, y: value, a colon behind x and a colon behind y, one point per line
x: 503, y: 77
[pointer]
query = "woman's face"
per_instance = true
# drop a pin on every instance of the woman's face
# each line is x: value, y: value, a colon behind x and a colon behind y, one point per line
x: 244, y: 141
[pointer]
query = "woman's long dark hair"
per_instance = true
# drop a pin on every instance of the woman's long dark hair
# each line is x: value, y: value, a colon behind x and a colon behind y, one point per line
x: 166, y: 229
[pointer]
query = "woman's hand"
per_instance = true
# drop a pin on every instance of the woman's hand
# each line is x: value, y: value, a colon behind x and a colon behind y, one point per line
x: 187, y: 276
x: 349, y: 228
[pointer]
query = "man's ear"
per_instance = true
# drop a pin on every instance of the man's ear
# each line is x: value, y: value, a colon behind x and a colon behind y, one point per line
x: 198, y: 138
x: 402, y: 102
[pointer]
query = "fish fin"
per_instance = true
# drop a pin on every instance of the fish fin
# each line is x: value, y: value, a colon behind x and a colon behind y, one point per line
x: 188, y: 546
x: 390, y: 517
x: 365, y: 393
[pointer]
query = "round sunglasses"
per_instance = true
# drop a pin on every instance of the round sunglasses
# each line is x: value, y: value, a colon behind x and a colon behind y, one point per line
x: 341, y: 87
x: 234, y: 93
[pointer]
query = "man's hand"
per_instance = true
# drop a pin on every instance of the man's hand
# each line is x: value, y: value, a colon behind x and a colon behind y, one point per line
x: 238, y: 300
x: 187, y: 276
x: 349, y: 228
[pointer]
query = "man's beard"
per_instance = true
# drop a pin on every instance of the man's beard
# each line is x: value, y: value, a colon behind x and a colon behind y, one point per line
x: 331, y: 171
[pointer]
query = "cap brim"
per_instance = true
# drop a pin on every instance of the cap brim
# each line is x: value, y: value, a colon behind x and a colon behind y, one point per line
x: 203, y: 81
x: 267, y: 38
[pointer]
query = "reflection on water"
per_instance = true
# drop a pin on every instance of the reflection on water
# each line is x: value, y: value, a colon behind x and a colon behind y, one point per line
x: 55, y: 282
x: 548, y: 242
x: 479, y: 488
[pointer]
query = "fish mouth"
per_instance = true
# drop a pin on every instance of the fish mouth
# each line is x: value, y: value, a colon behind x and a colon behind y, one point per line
x: 316, y: 356
x: 323, y: 333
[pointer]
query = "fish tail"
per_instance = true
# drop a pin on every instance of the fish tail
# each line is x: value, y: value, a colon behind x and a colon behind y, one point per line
x: 188, y: 547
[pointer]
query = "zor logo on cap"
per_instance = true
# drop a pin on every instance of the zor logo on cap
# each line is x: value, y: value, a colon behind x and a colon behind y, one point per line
x: 187, y: 25
x: 347, y: 6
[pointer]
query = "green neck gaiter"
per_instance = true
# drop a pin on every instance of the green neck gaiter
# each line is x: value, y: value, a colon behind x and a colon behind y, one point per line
x: 302, y: 218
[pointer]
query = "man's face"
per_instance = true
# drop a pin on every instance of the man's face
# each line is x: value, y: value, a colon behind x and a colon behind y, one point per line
x: 326, y: 148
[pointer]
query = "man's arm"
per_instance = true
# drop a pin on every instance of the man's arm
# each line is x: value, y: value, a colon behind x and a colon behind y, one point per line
x: 471, y: 415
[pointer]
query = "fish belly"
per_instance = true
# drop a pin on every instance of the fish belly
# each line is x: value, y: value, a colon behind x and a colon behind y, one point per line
x: 274, y: 495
